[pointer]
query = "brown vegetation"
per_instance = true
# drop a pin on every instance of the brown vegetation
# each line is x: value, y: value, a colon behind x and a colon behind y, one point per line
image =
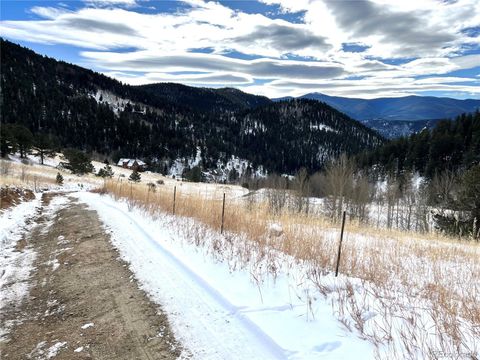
x: 11, y: 196
x: 385, y: 269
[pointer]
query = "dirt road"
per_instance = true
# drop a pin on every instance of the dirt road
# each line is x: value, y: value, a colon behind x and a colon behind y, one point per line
x: 84, y: 301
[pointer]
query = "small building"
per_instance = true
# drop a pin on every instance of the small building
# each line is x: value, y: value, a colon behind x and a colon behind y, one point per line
x: 132, y: 164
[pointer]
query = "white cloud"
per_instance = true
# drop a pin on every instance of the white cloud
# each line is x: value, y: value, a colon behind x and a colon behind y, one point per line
x: 210, y: 79
x: 155, y: 61
x: 428, y: 32
x: 101, y: 3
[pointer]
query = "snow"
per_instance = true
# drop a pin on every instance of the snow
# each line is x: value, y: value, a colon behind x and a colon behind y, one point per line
x: 15, y: 266
x: 86, y: 326
x: 55, y: 348
x: 222, y: 170
x: 41, y: 353
x: 322, y: 127
x: 54, y: 263
x: 116, y: 103
x: 79, y: 349
x: 216, y: 311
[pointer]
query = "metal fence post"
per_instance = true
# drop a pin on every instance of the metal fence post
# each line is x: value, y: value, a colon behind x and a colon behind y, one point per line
x: 174, y: 198
x: 223, y: 213
x: 340, y: 244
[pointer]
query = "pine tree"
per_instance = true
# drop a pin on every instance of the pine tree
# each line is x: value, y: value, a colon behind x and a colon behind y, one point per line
x: 106, y: 172
x: 59, y: 179
x: 194, y: 174
x: 44, y: 145
x: 470, y: 197
x: 7, y: 140
x: 78, y: 162
x: 135, y: 176
x: 233, y: 175
x: 23, y: 138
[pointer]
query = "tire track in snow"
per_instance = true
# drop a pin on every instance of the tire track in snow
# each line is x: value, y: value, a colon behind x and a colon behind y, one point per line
x: 223, y: 325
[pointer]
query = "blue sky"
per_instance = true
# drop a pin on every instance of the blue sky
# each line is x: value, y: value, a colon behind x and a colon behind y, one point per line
x: 361, y: 48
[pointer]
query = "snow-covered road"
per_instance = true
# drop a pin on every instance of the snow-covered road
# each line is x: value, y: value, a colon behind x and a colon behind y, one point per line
x: 217, y: 313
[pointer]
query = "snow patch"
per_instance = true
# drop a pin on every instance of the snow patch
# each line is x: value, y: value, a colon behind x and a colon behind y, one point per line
x: 88, y: 325
x: 15, y: 265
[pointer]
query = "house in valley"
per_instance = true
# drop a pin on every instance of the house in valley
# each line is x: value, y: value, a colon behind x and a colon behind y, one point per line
x: 132, y: 164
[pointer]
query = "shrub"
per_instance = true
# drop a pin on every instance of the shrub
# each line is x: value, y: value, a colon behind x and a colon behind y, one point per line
x: 77, y: 162
x: 59, y: 179
x: 106, y: 172
x: 135, y: 176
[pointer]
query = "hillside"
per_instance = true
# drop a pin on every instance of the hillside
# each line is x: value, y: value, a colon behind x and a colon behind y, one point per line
x: 286, y: 133
x: 449, y: 145
x: 165, y: 122
x: 398, y: 128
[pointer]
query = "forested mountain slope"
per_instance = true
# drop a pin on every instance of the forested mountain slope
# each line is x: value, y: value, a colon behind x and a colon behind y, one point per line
x: 90, y: 111
x: 212, y: 100
x: 450, y: 145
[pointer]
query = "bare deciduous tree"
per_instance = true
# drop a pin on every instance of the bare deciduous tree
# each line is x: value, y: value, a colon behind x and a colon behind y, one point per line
x: 338, y: 184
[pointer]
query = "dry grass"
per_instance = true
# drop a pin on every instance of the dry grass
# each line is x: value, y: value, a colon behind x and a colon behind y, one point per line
x: 14, y: 174
x: 37, y: 177
x: 412, y: 295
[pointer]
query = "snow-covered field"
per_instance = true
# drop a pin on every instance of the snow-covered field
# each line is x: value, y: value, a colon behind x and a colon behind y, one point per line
x: 221, y: 313
x: 265, y: 289
x: 221, y: 286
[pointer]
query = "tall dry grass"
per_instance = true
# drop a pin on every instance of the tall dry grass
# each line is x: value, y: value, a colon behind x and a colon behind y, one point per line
x: 412, y: 295
x: 24, y: 175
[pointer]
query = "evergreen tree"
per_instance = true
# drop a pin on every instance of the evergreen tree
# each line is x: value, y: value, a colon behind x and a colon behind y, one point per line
x: 470, y: 198
x: 7, y: 140
x: 106, y: 171
x: 233, y: 175
x: 194, y: 174
x: 23, y: 139
x: 44, y: 145
x: 59, y: 179
x: 54, y: 97
x: 135, y: 176
x: 450, y: 145
x: 77, y: 162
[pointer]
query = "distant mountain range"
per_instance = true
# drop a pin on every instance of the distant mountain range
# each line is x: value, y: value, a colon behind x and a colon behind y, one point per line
x: 410, y: 108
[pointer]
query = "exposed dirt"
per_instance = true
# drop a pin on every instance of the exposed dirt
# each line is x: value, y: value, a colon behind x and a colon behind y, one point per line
x: 84, y: 298
x: 11, y: 196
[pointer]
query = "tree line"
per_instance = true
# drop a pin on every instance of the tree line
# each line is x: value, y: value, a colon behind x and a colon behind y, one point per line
x: 448, y: 202
x: 450, y: 145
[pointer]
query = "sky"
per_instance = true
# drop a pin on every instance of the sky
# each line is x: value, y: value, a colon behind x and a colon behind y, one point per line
x: 276, y: 48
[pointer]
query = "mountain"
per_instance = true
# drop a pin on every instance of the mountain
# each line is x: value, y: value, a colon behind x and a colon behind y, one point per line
x: 163, y: 123
x: 285, y: 134
x: 225, y: 99
x: 409, y: 108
